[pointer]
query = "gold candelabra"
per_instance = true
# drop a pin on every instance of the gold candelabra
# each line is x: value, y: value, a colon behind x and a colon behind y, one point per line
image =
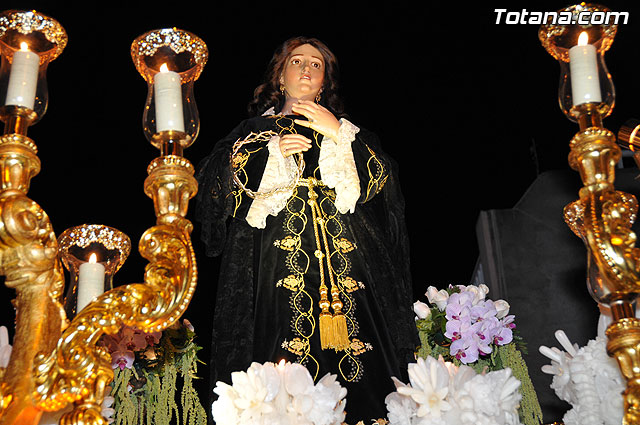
x: 56, y: 361
x: 601, y: 217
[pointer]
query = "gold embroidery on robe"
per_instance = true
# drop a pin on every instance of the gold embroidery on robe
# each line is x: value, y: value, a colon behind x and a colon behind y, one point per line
x: 350, y: 284
x: 297, y: 346
x: 288, y: 243
x: 358, y: 347
x: 344, y: 245
x: 290, y: 282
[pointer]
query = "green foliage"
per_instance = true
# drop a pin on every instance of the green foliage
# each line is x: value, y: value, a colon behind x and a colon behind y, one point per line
x: 146, y: 393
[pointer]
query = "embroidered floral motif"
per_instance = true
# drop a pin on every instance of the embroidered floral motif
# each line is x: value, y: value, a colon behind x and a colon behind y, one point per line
x: 358, y: 347
x: 288, y: 243
x: 291, y: 282
x: 344, y: 245
x: 350, y: 284
x: 297, y: 346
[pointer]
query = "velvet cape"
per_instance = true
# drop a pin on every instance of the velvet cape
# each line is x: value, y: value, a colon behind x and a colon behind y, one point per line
x: 251, y: 314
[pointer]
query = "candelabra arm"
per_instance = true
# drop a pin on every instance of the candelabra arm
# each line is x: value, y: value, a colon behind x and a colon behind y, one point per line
x: 79, y: 368
x: 28, y: 260
x: 602, y: 217
x: 624, y: 344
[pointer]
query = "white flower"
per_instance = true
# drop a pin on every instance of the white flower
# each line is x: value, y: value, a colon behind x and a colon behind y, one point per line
x: 502, y: 307
x: 282, y: 394
x: 429, y: 386
x: 328, y: 402
x: 439, y: 298
x: 441, y: 393
x: 401, y: 410
x: 107, y: 411
x: 588, y: 379
x: 421, y: 310
x: 254, y: 389
x: 224, y: 410
x: 479, y: 292
x: 559, y: 367
x: 5, y: 347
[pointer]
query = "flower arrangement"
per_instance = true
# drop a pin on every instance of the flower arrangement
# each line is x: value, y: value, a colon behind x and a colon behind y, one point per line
x: 282, y: 394
x: 588, y: 379
x: 146, y: 367
x: 441, y: 393
x: 464, y: 328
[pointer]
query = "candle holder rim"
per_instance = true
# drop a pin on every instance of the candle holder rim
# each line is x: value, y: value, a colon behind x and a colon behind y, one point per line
x: 53, y: 31
x: 183, y: 139
x: 602, y: 108
x: 549, y: 34
x: 179, y: 41
x: 28, y: 114
x: 95, y: 233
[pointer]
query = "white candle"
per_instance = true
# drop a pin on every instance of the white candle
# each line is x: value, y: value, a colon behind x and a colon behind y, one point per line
x: 90, y: 282
x: 585, y: 84
x: 23, y: 79
x: 168, y: 100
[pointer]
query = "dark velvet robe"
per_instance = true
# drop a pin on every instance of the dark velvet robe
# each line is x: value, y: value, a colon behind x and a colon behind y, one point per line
x: 267, y: 295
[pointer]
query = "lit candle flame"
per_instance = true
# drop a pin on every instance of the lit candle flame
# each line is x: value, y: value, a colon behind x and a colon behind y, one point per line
x: 93, y: 258
x: 24, y: 47
x: 281, y: 365
x: 164, y: 68
x: 583, y: 39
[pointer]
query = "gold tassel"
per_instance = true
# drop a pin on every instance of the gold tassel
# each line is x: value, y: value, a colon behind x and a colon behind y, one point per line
x: 340, y: 333
x: 326, y: 330
x: 326, y: 319
x: 341, y: 336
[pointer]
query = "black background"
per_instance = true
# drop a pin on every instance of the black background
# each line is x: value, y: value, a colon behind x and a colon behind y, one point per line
x: 466, y: 106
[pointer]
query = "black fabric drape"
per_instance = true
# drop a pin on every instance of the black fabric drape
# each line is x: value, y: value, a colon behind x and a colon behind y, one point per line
x: 252, y: 315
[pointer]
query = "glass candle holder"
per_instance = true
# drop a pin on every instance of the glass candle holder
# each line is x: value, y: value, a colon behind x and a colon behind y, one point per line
x: 91, y: 277
x: 29, y: 41
x: 170, y: 60
x: 629, y: 138
x: 586, y: 89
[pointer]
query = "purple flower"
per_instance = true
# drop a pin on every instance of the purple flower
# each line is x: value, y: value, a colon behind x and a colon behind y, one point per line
x: 469, y: 346
x: 456, y: 329
x: 187, y: 324
x: 459, y: 305
x: 153, y: 338
x: 465, y: 350
x: 470, y: 340
x: 123, y: 359
x: 505, y: 333
x: 483, y: 310
x: 475, y: 324
x: 134, y: 339
x: 484, y: 338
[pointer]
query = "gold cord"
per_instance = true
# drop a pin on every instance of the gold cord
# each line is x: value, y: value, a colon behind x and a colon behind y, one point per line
x: 333, y: 327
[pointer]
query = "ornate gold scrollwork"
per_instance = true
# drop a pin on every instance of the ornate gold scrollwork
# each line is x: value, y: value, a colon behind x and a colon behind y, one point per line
x: 602, y: 217
x: 79, y: 369
x: 28, y: 259
x: 55, y: 363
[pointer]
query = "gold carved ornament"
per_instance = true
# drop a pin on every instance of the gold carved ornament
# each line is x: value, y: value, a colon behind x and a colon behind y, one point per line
x: 55, y: 362
x: 602, y: 217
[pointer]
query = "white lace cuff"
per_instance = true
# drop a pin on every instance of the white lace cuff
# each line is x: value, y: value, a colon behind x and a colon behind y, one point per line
x: 280, y: 172
x: 338, y: 167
